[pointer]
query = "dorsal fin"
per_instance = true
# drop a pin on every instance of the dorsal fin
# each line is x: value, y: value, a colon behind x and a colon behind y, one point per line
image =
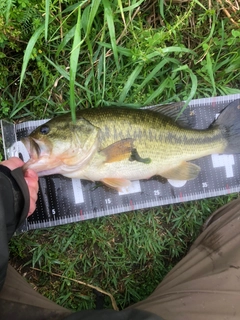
x: 177, y: 112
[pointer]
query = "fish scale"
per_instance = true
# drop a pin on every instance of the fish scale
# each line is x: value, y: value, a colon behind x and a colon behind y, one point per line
x: 81, y: 200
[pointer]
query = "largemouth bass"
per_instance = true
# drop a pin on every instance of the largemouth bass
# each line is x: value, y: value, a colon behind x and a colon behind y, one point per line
x: 117, y: 145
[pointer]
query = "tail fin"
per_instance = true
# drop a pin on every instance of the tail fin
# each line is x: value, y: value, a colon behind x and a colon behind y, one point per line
x: 229, y: 124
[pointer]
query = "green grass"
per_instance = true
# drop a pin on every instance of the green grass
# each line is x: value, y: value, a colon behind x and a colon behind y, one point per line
x: 126, y: 255
x: 62, y: 56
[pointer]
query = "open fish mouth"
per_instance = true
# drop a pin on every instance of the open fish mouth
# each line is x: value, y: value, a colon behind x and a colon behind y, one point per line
x: 41, y: 159
x: 37, y: 161
x: 32, y: 147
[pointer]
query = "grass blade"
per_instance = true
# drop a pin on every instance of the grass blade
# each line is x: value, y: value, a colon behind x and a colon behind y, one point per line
x: 200, y: 4
x: 161, y: 8
x: 74, y: 6
x: 194, y: 84
x: 110, y: 21
x: 69, y: 35
x: 9, y: 5
x: 165, y: 51
x: 155, y: 71
x: 156, y: 92
x: 123, y: 51
x: 177, y: 49
x: 65, y: 74
x: 104, y: 73
x: 28, y: 52
x: 209, y: 38
x: 130, y: 82
x: 47, y: 12
x: 94, y: 8
x: 122, y: 13
x: 209, y: 69
x: 132, y: 6
x: 74, y: 63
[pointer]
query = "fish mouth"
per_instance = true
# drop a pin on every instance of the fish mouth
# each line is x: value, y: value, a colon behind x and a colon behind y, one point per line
x: 37, y: 161
x: 32, y: 147
x: 40, y: 160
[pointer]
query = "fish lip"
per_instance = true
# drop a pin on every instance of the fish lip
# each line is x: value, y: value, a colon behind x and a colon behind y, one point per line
x: 36, y: 147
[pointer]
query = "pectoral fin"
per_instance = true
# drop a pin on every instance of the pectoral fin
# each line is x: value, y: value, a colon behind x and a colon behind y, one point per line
x: 116, y: 183
x: 118, y: 151
x: 185, y: 171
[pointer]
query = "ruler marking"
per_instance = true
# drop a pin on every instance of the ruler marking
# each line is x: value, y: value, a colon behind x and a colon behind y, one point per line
x: 81, y: 215
x: 131, y: 204
x: 146, y: 204
x: 77, y: 191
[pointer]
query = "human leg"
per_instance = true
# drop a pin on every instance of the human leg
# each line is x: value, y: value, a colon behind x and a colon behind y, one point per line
x: 206, y: 283
x: 19, y: 301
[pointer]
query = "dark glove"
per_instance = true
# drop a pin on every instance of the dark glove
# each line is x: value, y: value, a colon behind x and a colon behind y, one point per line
x: 14, y: 207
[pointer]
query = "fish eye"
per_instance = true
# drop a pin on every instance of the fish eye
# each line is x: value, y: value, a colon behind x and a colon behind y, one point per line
x: 44, y: 129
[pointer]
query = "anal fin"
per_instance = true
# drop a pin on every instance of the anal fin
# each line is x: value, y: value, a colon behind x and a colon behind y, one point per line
x: 116, y: 183
x: 184, y: 171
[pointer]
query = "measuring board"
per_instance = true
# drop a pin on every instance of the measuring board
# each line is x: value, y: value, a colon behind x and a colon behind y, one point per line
x: 62, y: 200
